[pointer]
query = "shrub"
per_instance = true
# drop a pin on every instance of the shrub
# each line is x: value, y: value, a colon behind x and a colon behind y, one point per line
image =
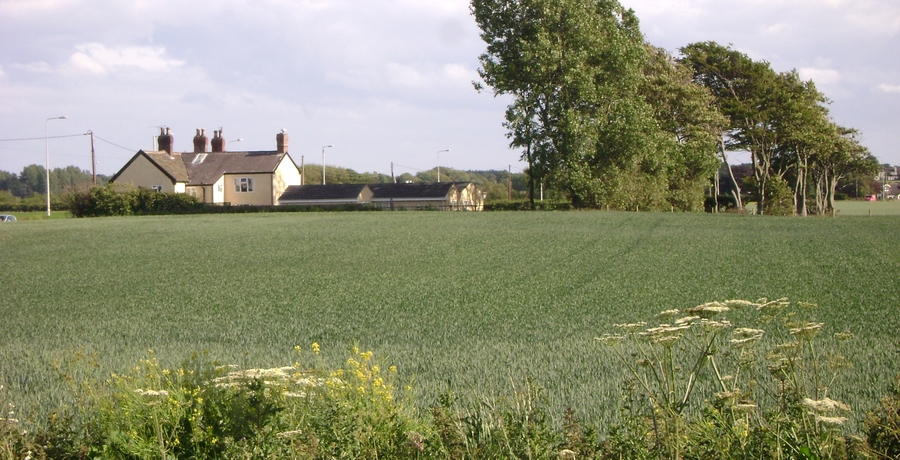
x: 760, y: 390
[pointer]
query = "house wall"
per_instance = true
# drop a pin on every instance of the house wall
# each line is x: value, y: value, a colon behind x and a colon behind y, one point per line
x: 197, y: 191
x: 470, y: 199
x: 286, y: 174
x: 260, y: 196
x: 144, y: 173
x: 218, y: 191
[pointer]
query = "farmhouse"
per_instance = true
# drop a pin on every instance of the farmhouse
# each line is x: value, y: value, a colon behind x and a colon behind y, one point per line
x: 219, y: 177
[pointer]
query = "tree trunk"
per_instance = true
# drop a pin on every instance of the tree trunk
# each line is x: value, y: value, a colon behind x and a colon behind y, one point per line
x: 737, y: 188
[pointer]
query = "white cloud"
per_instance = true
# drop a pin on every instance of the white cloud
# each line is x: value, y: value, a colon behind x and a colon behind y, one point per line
x: 825, y: 77
x: 96, y: 58
x: 889, y: 88
x: 1, y: 72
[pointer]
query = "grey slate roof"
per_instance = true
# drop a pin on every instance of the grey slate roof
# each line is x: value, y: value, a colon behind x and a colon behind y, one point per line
x: 214, y: 165
x: 328, y: 192
x: 410, y: 191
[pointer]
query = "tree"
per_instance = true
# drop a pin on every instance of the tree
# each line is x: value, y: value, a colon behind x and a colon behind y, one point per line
x: 746, y: 93
x: 574, y: 69
x: 691, y: 123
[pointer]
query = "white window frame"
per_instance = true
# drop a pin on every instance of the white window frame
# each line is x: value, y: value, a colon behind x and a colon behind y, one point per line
x: 243, y: 184
x: 156, y: 188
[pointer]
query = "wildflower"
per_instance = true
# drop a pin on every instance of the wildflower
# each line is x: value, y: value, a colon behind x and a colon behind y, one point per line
x: 392, y: 369
x: 748, y: 332
x: 831, y: 420
x: 566, y: 454
x: 739, y: 304
x: 712, y: 326
x: 807, y: 331
x: 773, y: 307
x: 297, y: 348
x: 631, y: 327
x: 708, y: 310
x: 686, y: 319
x: 745, y: 407
x: 315, y: 347
x: 824, y: 405
x: 288, y: 434
x: 151, y: 392
x: 843, y: 335
x: 668, y: 313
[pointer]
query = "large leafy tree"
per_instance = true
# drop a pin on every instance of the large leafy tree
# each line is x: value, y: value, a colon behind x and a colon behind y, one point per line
x: 747, y: 94
x: 574, y: 71
x: 690, y: 123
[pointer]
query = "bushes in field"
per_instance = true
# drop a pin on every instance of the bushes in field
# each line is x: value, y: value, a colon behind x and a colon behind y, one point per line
x: 112, y: 201
x: 732, y: 379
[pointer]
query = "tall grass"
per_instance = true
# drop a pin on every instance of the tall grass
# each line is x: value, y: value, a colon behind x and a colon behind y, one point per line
x: 461, y: 302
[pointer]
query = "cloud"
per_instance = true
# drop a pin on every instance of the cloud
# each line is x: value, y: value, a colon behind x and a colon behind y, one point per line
x: 825, y: 77
x: 1, y: 72
x: 889, y: 88
x: 96, y: 58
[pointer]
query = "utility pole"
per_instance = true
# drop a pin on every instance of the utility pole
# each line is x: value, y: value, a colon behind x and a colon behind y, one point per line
x: 302, y: 170
x: 93, y: 159
x: 393, y: 179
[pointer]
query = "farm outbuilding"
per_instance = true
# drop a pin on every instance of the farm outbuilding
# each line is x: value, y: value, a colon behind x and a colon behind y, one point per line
x: 446, y: 196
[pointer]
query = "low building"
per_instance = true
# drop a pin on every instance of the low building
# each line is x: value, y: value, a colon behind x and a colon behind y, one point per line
x: 327, y: 195
x: 446, y: 196
x: 218, y: 177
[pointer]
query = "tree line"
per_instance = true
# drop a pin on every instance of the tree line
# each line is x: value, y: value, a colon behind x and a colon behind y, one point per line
x: 30, y: 186
x: 607, y: 119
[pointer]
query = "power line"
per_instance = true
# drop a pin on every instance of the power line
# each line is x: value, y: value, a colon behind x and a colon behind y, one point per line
x: 111, y: 143
x: 42, y: 138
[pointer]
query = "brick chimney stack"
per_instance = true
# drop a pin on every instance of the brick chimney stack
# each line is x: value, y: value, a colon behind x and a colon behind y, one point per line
x: 201, y: 142
x: 165, y: 140
x: 281, y: 141
x: 218, y: 142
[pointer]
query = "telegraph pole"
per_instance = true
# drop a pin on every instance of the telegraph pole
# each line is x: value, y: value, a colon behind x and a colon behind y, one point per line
x: 93, y: 159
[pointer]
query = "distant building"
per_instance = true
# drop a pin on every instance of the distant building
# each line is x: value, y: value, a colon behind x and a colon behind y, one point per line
x: 219, y: 177
x: 444, y: 196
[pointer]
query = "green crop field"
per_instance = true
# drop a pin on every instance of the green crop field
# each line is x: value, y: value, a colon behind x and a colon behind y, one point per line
x: 481, y: 302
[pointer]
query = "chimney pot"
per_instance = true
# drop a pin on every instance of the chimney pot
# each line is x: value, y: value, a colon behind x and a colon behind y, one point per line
x: 281, y: 141
x: 218, y: 142
x: 165, y: 140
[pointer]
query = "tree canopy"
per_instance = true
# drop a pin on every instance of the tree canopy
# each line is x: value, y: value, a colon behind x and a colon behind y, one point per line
x: 602, y: 116
x: 608, y: 119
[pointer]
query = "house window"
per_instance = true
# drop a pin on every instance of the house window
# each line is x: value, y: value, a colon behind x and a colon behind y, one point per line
x: 243, y: 184
x: 156, y: 188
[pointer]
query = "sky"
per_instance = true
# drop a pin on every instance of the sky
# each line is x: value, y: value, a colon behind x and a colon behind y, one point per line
x: 383, y: 81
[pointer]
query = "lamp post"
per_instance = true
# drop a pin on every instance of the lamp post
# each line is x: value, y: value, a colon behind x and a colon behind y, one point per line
x: 323, y: 162
x: 439, y: 163
x: 47, y: 151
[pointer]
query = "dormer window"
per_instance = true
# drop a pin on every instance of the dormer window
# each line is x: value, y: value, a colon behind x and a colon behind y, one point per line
x: 199, y: 158
x: 243, y: 184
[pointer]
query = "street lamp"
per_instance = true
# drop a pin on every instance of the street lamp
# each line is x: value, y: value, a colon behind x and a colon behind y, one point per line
x: 323, y: 162
x: 47, y: 151
x: 439, y: 163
